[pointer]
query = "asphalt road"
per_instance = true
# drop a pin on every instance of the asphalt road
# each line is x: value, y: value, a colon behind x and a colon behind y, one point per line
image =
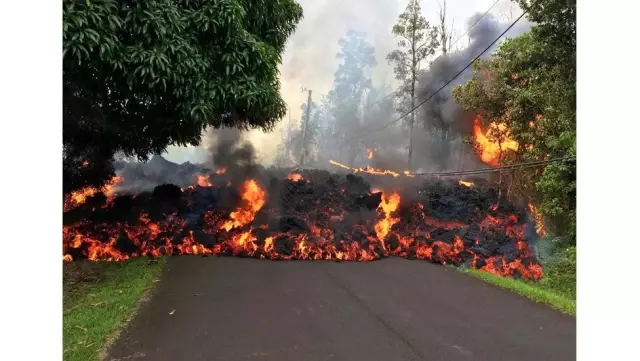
x: 395, y: 309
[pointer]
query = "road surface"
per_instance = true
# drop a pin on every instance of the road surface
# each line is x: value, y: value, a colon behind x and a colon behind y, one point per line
x: 215, y: 308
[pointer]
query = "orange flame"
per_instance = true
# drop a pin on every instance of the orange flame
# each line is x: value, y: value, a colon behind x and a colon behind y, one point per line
x: 491, y: 150
x: 254, y: 198
x: 371, y: 153
x: 78, y: 197
x: 388, y: 205
x: 537, y: 217
x: 294, y: 177
x: 465, y: 183
x: 203, y: 181
x: 221, y: 171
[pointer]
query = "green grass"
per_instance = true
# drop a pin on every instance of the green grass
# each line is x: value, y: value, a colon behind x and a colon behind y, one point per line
x: 535, y: 291
x: 98, y: 299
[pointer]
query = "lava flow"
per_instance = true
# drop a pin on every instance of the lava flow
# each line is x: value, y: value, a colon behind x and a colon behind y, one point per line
x: 325, y: 217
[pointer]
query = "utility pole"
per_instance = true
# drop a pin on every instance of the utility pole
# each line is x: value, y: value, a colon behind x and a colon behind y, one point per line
x: 304, y: 131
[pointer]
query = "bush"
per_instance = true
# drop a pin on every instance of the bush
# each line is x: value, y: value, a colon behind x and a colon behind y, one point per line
x: 560, y: 272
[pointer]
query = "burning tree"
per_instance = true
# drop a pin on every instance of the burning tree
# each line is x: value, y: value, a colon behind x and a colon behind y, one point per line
x: 141, y: 75
x: 527, y: 88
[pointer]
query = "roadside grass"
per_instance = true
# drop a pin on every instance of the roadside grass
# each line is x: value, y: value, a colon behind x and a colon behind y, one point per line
x: 98, y: 299
x: 531, y: 290
x: 556, y: 288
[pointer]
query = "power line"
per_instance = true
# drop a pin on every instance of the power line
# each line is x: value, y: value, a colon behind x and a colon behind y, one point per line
x: 452, y: 79
x: 532, y: 164
x: 474, y: 24
x: 450, y: 45
x: 497, y: 169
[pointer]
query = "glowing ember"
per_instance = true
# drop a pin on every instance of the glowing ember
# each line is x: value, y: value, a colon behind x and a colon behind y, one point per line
x: 367, y: 170
x: 465, y: 183
x: 294, y: 177
x: 491, y: 150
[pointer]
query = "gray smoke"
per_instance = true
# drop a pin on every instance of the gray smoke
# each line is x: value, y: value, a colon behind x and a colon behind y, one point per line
x: 444, y: 122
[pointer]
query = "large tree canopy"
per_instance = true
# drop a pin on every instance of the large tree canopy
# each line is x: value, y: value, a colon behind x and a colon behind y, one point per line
x: 529, y: 85
x: 139, y: 75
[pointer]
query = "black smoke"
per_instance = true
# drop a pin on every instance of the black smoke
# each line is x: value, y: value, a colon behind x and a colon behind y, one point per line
x: 443, y: 122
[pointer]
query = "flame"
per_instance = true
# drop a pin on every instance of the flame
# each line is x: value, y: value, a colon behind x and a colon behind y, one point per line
x: 221, y: 171
x: 203, y: 181
x: 294, y: 177
x: 371, y: 153
x: 465, y: 183
x: 401, y: 228
x: 492, y: 150
x: 367, y: 170
x: 254, y: 198
x: 537, y: 217
x: 79, y: 197
x: 388, y: 205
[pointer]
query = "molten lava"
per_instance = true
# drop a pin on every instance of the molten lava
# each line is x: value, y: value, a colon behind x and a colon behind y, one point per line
x: 319, y: 219
x: 491, y: 148
x: 75, y: 199
x: 465, y: 183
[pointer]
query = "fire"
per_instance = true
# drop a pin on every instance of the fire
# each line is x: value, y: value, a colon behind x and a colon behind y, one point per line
x: 388, y: 205
x: 465, y: 183
x: 368, y: 170
x: 78, y: 197
x: 537, y: 217
x: 254, y: 198
x: 371, y: 153
x: 400, y: 227
x: 221, y: 171
x: 203, y: 181
x: 294, y: 177
x: 491, y: 150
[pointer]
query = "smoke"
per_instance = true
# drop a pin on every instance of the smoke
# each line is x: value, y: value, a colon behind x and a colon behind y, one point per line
x: 443, y: 121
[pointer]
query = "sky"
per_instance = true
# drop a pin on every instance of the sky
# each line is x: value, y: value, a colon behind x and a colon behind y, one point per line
x: 310, y: 61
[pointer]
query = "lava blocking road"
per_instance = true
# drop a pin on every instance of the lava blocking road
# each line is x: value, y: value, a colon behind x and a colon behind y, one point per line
x: 306, y: 215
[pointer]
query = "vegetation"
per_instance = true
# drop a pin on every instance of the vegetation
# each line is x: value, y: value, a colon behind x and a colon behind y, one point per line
x: 98, y: 299
x: 141, y: 75
x: 533, y: 291
x: 529, y: 85
x: 417, y: 41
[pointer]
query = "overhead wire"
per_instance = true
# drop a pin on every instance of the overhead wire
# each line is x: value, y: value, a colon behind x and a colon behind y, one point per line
x: 451, y: 80
x: 450, y: 46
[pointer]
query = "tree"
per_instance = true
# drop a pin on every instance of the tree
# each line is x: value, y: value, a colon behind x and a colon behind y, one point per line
x: 445, y: 34
x: 529, y: 85
x: 418, y: 40
x: 351, y: 81
x: 141, y: 75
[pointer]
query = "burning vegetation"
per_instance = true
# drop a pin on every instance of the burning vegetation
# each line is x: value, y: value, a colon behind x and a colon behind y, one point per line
x: 327, y: 216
